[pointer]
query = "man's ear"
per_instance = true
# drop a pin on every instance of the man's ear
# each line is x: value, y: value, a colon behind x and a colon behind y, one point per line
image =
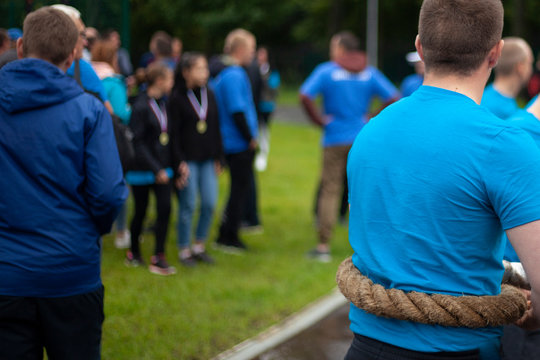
x: 419, y: 48
x: 495, y: 53
x: 67, y: 63
x: 20, y: 53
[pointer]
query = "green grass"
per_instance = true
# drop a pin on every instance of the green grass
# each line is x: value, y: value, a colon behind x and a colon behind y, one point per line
x: 288, y: 95
x: 203, y: 311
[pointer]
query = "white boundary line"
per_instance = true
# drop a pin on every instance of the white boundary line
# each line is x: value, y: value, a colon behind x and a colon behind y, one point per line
x: 285, y: 330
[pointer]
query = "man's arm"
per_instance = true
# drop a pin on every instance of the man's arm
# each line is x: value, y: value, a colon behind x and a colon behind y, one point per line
x: 105, y: 190
x: 311, y: 110
x: 526, y: 242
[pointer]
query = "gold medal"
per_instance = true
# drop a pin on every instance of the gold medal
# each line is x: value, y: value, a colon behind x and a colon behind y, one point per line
x: 164, y: 138
x: 201, y: 126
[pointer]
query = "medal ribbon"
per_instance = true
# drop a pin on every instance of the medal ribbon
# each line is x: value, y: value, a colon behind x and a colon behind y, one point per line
x: 161, y: 115
x: 200, y: 109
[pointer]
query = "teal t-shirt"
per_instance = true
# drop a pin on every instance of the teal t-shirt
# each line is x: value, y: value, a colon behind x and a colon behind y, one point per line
x: 433, y: 181
x: 500, y: 105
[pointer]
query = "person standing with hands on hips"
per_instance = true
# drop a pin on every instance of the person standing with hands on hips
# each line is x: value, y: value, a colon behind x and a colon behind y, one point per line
x: 152, y: 169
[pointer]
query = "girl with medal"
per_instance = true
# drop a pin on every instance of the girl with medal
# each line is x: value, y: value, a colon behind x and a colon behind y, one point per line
x: 152, y: 169
x: 196, y: 147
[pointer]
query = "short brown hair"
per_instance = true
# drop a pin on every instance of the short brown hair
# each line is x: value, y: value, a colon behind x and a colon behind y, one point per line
x: 49, y: 34
x: 156, y: 70
x: 457, y: 35
x: 235, y: 39
x: 515, y: 51
x: 104, y: 51
x: 347, y: 40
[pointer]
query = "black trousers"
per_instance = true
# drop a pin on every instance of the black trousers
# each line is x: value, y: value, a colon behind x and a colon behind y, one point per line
x: 67, y: 327
x: 519, y: 344
x: 364, y: 348
x: 163, y: 205
x: 241, y: 170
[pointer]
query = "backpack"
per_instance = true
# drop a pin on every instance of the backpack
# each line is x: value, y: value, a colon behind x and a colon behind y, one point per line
x: 124, y: 143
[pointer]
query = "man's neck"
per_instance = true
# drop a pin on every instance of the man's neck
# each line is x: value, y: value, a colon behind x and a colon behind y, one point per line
x: 509, y: 86
x: 471, y: 86
x: 154, y: 92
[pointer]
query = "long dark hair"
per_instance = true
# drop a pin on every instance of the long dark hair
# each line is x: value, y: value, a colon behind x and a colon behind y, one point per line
x: 186, y: 62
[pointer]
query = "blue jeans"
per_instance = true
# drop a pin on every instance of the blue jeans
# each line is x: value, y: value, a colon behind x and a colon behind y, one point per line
x: 121, y: 219
x: 203, y: 180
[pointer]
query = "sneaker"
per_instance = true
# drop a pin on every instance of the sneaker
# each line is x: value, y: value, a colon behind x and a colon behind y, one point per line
x: 187, y: 261
x: 123, y: 240
x: 203, y: 257
x: 234, y: 247
x: 133, y: 260
x: 322, y: 256
x: 160, y: 266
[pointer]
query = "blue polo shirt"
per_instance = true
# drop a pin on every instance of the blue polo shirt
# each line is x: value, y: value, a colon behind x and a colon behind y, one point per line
x: 433, y: 181
x: 531, y: 124
x: 500, y: 105
x: 233, y: 94
x: 346, y: 98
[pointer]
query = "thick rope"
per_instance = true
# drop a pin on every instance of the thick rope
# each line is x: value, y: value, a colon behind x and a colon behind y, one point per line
x: 433, y: 309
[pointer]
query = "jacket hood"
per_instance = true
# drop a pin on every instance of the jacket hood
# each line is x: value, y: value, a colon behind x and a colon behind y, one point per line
x: 353, y: 61
x: 33, y: 83
x: 218, y: 63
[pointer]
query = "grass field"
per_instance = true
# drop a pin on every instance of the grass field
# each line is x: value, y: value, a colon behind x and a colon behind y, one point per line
x: 203, y: 311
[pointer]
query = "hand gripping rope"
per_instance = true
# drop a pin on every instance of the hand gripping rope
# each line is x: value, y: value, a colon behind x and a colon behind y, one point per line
x: 435, y: 309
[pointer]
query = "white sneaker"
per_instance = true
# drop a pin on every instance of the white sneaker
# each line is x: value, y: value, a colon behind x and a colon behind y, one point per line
x: 123, y: 240
x: 261, y: 163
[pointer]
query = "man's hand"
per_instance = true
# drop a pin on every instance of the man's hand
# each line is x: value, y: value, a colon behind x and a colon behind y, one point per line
x: 528, y: 321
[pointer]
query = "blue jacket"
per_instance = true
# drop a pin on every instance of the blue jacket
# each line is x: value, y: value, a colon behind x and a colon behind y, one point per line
x: 61, y: 182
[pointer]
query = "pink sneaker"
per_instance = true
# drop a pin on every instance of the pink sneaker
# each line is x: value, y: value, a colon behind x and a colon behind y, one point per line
x: 160, y: 266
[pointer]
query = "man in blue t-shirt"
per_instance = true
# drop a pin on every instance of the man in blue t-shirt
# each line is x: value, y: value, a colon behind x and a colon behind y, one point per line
x: 347, y: 86
x: 433, y: 182
x: 512, y: 74
x: 238, y: 124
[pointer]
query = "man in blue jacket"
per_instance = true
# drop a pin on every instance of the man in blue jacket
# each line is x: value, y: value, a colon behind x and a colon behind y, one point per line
x: 61, y: 187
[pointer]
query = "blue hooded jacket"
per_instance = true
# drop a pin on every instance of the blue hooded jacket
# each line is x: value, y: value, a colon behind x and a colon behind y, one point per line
x: 61, y: 182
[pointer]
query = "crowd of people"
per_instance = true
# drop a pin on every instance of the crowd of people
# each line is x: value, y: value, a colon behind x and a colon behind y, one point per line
x: 436, y: 172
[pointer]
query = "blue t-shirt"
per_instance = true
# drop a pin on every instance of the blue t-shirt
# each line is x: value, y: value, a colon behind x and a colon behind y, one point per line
x: 346, y: 98
x: 500, y: 105
x: 89, y: 80
x: 410, y: 84
x: 433, y: 180
x: 233, y: 94
x: 531, y: 124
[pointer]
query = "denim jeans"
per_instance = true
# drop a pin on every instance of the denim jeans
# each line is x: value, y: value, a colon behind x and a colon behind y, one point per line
x: 203, y: 181
x: 121, y: 219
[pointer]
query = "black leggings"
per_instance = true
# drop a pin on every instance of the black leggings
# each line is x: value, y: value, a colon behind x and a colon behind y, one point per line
x: 163, y: 205
x: 364, y: 348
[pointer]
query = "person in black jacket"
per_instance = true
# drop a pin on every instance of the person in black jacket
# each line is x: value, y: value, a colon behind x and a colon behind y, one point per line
x: 152, y: 167
x: 196, y: 143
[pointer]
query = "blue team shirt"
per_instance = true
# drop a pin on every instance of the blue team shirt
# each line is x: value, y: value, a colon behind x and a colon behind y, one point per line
x: 89, y: 80
x: 500, y: 105
x: 233, y: 94
x: 433, y: 181
x: 346, y: 98
x: 531, y: 124
x: 410, y: 84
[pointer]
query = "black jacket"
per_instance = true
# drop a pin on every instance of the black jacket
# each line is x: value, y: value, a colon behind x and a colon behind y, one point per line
x: 150, y: 154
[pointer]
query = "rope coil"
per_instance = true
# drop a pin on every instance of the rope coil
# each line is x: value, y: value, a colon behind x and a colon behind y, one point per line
x: 433, y: 309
